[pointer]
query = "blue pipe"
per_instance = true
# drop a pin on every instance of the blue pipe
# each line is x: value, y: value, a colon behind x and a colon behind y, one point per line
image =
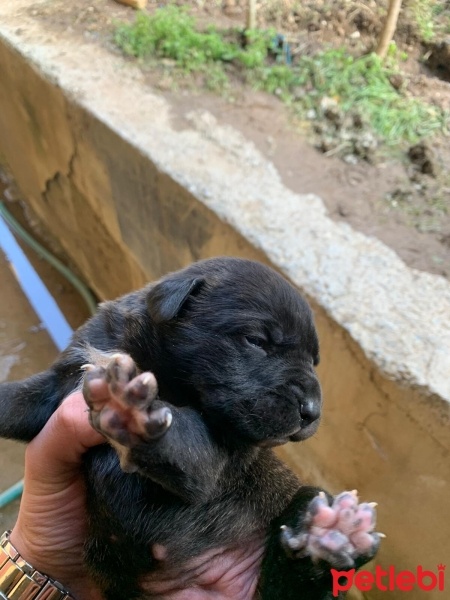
x: 39, y: 298
x: 11, y: 494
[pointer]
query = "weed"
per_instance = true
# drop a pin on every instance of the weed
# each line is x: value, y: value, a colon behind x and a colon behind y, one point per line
x: 355, y: 84
x: 216, y: 79
x: 257, y: 47
x: 423, y: 13
x: 276, y: 79
x: 362, y: 85
x: 394, y: 56
x: 171, y: 33
x: 441, y: 17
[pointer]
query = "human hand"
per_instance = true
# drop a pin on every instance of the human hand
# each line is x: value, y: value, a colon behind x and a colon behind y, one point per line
x: 51, y: 526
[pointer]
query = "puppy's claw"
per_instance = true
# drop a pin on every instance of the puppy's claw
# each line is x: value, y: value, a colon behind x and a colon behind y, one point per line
x: 292, y: 542
x: 168, y: 419
x: 87, y: 367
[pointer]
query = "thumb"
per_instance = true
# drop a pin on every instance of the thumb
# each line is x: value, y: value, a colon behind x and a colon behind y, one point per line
x: 55, y: 454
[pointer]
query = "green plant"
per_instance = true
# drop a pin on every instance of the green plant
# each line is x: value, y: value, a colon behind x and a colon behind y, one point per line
x: 171, y: 33
x: 363, y: 84
x: 355, y: 84
x: 423, y: 12
x: 216, y: 79
x: 394, y: 55
x: 441, y: 17
x: 257, y: 46
x: 276, y: 79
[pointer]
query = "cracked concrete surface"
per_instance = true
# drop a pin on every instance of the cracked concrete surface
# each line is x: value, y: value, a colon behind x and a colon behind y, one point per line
x: 130, y: 196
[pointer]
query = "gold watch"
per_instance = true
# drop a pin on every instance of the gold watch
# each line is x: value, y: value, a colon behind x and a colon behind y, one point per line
x: 20, y: 581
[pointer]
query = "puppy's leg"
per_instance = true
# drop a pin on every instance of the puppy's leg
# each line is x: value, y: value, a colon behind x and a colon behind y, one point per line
x: 170, y: 445
x: 315, y: 534
x: 25, y: 406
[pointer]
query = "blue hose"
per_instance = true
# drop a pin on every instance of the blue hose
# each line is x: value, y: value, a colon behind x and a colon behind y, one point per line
x: 11, y: 494
x: 43, y: 253
x: 56, y: 326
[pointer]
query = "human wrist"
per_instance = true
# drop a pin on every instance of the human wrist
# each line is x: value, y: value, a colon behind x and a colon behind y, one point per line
x: 27, y: 557
x: 20, y: 580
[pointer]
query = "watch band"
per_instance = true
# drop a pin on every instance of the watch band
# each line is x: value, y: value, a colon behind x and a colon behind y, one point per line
x: 20, y: 581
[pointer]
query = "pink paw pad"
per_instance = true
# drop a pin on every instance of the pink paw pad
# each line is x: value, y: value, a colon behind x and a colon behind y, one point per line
x: 123, y: 404
x: 338, y: 532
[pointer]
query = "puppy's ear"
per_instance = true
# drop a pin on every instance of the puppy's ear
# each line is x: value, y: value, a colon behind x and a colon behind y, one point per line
x: 167, y: 298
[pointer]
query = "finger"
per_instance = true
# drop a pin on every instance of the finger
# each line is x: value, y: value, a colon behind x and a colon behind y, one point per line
x: 58, y: 448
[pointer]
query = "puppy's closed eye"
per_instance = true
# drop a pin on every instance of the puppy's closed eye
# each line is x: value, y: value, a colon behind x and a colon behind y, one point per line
x: 257, y: 343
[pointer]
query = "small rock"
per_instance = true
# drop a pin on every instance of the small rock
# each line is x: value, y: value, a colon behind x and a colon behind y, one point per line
x: 299, y: 92
x: 396, y: 80
x: 319, y: 128
x: 327, y: 144
x: 313, y: 26
x: 357, y: 120
x: 328, y: 103
x: 165, y: 84
x: 351, y: 159
x: 139, y: 4
x: 342, y: 211
x: 331, y: 110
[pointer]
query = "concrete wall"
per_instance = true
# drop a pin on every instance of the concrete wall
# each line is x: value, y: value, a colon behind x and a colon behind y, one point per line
x: 129, y: 198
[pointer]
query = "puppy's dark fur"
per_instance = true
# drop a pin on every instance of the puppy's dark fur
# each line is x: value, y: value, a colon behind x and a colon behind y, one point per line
x: 233, y: 348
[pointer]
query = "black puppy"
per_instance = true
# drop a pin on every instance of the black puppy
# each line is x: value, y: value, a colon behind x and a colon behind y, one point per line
x: 192, y: 380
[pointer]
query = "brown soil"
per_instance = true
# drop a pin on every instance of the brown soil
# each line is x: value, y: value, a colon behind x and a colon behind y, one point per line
x: 405, y: 203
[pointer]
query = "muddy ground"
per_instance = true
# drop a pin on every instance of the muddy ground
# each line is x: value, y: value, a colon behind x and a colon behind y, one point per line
x: 402, y: 202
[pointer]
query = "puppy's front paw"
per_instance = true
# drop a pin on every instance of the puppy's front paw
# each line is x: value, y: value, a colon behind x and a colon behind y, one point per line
x: 123, y: 405
x: 341, y: 534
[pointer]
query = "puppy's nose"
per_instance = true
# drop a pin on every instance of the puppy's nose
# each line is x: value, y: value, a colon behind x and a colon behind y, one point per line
x: 309, y: 411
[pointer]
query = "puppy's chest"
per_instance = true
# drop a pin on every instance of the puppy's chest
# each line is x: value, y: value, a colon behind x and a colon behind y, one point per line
x: 191, y: 552
x: 175, y: 536
x: 224, y: 572
x: 240, y: 511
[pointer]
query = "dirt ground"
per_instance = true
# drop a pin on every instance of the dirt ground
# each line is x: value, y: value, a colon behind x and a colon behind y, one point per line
x: 396, y: 201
